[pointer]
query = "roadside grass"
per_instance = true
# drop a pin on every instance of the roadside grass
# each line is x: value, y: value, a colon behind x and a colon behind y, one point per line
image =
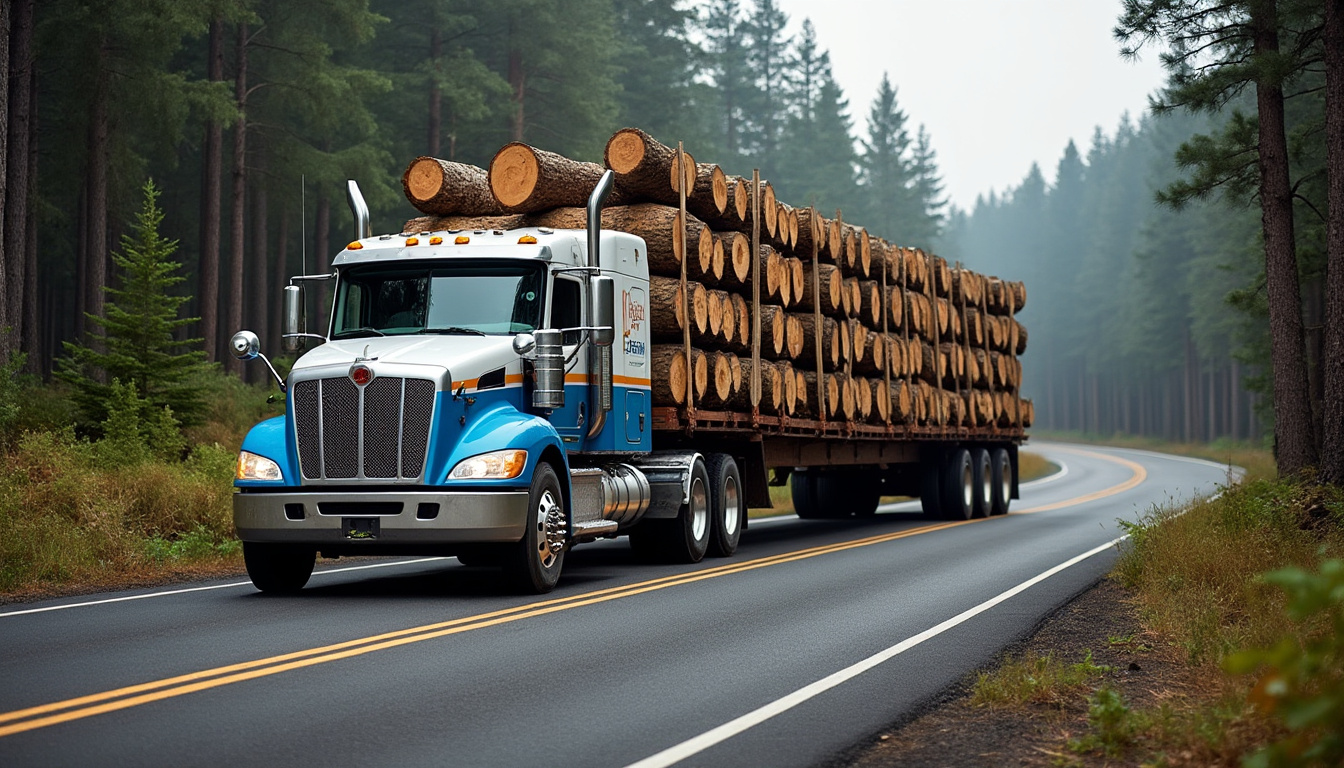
x: 81, y: 514
x: 1035, y: 680
x: 1256, y: 458
x: 1266, y: 649
x: 1031, y: 466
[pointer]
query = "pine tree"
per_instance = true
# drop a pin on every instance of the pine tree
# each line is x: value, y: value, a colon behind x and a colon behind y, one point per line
x: 887, y: 176
x: 769, y: 69
x: 927, y: 190
x: 726, y: 65
x: 816, y: 158
x: 134, y: 344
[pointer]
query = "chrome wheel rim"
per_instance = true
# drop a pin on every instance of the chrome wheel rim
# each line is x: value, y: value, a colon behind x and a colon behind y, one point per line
x: 732, y: 512
x: 550, y: 529
x: 699, y: 510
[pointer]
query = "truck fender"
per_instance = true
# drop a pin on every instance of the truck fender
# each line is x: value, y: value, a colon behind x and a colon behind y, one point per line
x: 502, y: 426
x: 271, y: 439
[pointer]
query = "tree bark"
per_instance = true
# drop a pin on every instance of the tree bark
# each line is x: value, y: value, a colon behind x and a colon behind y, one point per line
x: 647, y: 169
x: 1332, y: 448
x: 207, y: 292
x: 7, y: 345
x: 16, y: 184
x: 1294, y: 442
x: 259, y: 264
x: 238, y: 215
x: 98, y: 160
x: 279, y: 278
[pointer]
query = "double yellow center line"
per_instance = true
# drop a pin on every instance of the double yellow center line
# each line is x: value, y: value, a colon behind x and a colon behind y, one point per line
x: 32, y: 718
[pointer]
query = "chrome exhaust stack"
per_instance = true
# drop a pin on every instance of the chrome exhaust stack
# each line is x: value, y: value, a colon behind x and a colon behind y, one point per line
x: 601, y: 300
x: 363, y: 226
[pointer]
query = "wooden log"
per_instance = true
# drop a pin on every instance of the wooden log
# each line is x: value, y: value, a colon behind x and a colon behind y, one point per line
x: 668, y: 369
x: 720, y: 382
x: 797, y: 275
x: 785, y: 283
x: 735, y: 365
x: 1019, y: 337
x: 865, y: 254
x: 710, y: 198
x: 870, y: 303
x: 810, y: 229
x: 743, y: 310
x: 881, y: 400
x: 524, y: 179
x: 769, y: 209
x: 801, y: 404
x: 846, y: 340
x: 830, y: 343
x: 835, y: 244
x: 444, y: 188
x: 793, y: 336
x: 423, y: 224
x: 659, y: 226
x: 849, y: 406
x: 771, y: 388
x: 831, y: 391
x: 738, y: 209
x: 942, y: 274
x: 874, y: 359
x: 727, y: 335
x: 666, y: 318
x: 831, y: 283
x: 789, y: 384
x: 863, y: 398
x: 860, y: 341
x: 646, y: 169
x: 851, y: 235
x: 773, y: 339
x: 714, y: 304
x: 716, y: 266
x: 902, y: 404
x: 772, y: 274
x: 736, y: 273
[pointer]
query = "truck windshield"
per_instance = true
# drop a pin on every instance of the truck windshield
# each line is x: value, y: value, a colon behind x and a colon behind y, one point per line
x: 475, y: 299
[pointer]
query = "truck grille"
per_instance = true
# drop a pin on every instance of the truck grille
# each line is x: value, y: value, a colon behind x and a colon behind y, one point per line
x: 380, y: 432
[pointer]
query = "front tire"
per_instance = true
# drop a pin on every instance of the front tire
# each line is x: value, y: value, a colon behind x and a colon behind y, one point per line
x: 533, y: 565
x: 727, y: 511
x: 280, y: 569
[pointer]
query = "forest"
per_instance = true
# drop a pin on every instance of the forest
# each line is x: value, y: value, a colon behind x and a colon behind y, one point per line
x: 1145, y: 256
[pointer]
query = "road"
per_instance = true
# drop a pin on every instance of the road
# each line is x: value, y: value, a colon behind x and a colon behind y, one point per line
x: 814, y: 636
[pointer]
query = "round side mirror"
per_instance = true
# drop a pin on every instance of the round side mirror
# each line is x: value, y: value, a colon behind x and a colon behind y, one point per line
x: 524, y: 343
x: 245, y: 345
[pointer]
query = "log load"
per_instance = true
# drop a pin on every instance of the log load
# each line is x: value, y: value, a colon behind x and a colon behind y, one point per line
x: 947, y: 337
x: 444, y: 188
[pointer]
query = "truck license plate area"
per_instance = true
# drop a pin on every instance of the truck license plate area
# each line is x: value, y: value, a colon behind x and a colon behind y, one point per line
x: 360, y: 527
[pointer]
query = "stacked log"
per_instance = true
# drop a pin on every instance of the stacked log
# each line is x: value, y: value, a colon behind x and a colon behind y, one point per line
x: 852, y: 327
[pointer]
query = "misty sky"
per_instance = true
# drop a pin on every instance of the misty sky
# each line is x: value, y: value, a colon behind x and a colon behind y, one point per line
x: 998, y: 83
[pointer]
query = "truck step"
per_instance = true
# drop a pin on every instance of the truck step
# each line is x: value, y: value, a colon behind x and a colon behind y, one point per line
x: 585, y: 529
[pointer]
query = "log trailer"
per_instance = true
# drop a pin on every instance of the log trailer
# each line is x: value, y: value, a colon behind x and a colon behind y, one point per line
x: 486, y: 394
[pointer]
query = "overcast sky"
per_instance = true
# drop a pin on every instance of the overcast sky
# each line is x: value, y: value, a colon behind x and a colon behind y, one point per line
x: 999, y: 84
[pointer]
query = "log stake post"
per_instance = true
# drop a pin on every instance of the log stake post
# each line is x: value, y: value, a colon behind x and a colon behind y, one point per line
x: 816, y: 316
x: 932, y: 296
x: 685, y: 292
x: 958, y: 281
x: 755, y: 295
x: 1012, y: 354
x: 911, y: 422
x: 886, y: 349
x: 849, y: 364
x: 984, y: 342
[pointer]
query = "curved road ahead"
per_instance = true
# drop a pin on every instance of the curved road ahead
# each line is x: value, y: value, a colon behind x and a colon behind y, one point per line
x: 814, y: 636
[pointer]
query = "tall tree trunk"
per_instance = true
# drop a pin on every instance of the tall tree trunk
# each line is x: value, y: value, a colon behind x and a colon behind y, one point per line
x: 279, y: 279
x: 212, y: 173
x: 321, y: 242
x: 518, y: 82
x: 259, y: 268
x: 435, y: 93
x: 1332, y: 444
x: 96, y: 275
x: 238, y: 217
x: 16, y: 185
x: 39, y: 356
x: 1294, y: 443
x: 7, y: 346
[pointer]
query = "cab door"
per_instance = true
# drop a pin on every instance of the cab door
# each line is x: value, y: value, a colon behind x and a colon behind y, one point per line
x: 566, y: 311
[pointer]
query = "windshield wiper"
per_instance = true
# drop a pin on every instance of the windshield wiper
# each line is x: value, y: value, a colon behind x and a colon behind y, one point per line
x: 351, y: 332
x: 454, y: 330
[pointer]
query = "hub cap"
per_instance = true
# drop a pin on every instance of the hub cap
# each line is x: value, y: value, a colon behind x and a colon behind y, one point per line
x: 551, y: 529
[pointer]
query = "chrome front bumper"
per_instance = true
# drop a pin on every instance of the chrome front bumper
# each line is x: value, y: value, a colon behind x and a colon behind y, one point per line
x: 402, y: 517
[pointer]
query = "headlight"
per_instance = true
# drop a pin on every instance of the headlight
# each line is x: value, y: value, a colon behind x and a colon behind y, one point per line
x: 254, y: 467
x: 498, y: 465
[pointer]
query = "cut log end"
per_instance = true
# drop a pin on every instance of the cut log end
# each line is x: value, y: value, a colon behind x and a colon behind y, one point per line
x: 625, y: 151
x: 424, y: 178
x: 513, y: 174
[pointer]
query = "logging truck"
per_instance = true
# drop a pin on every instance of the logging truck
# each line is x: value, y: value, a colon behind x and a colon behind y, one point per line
x: 502, y: 395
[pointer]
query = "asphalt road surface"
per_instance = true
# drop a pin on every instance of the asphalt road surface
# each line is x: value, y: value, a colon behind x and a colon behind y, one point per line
x: 814, y: 636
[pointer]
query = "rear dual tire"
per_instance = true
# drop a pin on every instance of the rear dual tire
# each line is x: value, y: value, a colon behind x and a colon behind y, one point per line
x: 836, y: 494
x: 686, y: 537
x: 965, y: 483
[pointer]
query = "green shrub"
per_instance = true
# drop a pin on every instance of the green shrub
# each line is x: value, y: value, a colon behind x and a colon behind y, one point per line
x: 1301, y: 681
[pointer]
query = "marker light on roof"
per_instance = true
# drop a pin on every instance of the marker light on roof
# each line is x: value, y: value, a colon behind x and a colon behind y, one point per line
x: 412, y: 241
x: 436, y: 240
x: 462, y: 240
x: 527, y: 240
x: 355, y: 246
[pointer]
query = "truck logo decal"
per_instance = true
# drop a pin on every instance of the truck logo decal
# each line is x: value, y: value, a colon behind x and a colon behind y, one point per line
x: 632, y: 317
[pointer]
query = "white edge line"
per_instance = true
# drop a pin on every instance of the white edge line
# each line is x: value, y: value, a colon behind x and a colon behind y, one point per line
x: 1050, y: 478
x: 693, y: 746
x: 322, y: 572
